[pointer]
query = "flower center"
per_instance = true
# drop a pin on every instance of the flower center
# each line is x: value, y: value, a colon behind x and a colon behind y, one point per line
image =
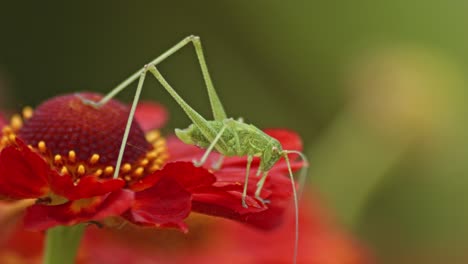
x: 79, y: 139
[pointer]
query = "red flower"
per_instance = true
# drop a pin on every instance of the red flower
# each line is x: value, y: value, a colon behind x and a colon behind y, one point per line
x: 63, y: 154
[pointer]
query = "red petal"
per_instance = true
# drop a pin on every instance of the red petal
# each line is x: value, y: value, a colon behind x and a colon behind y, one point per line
x: 151, y: 115
x: 277, y: 189
x: 88, y: 186
x: 166, y: 203
x: 185, y: 173
x: 216, y: 201
x: 40, y: 217
x: 23, y: 173
x: 220, y: 204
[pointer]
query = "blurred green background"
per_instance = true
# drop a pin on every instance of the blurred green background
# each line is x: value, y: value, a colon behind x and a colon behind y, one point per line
x: 375, y: 88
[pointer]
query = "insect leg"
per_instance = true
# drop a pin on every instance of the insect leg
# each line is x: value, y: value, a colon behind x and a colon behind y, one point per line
x: 260, y: 184
x: 216, y: 106
x: 247, y: 172
x: 196, y: 118
x: 210, y: 148
x: 195, y: 40
x: 129, y: 123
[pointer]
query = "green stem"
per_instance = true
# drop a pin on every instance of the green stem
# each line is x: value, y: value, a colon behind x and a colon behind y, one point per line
x: 62, y: 244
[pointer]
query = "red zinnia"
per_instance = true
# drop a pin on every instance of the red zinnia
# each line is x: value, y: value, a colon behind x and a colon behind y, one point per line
x: 63, y: 153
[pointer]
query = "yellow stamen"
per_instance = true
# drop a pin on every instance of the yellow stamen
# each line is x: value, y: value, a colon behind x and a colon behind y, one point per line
x: 153, y: 135
x: 159, y: 161
x: 12, y: 137
x: 138, y: 172
x: 27, y: 112
x: 94, y: 159
x: 161, y: 150
x: 161, y: 143
x: 64, y: 170
x: 126, y: 167
x: 42, y: 146
x: 144, y: 162
x: 16, y: 122
x: 154, y: 168
x: 108, y: 170
x: 57, y: 159
x: 152, y: 154
x: 71, y: 156
x: 81, y: 170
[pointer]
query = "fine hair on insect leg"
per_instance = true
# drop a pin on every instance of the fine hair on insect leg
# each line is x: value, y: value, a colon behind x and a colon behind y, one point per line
x: 227, y: 136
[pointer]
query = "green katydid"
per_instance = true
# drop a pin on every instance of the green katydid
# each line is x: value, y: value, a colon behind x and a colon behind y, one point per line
x: 227, y: 136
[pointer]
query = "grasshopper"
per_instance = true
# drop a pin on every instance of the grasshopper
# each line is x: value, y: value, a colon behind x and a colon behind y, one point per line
x: 227, y: 136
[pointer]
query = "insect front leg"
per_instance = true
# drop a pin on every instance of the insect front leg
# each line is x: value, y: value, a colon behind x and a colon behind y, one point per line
x: 260, y: 184
x: 210, y: 148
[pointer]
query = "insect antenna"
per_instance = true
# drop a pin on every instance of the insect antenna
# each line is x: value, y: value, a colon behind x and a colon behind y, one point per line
x: 304, y: 170
x: 295, y: 194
